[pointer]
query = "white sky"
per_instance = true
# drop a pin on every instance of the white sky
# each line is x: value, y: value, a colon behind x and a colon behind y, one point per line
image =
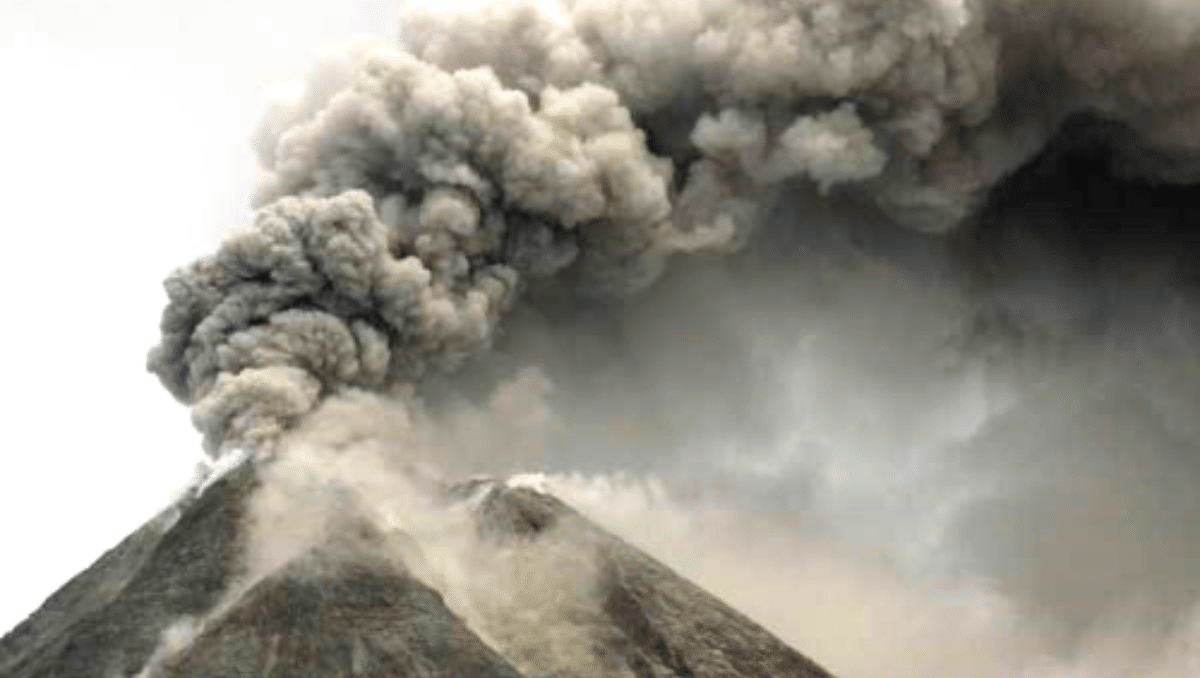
x: 124, y: 134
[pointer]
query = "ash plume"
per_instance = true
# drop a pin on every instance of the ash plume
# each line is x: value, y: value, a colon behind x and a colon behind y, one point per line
x: 923, y: 271
x: 409, y: 195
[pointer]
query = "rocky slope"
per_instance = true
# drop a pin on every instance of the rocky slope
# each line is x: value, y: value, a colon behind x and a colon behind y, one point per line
x: 172, y: 601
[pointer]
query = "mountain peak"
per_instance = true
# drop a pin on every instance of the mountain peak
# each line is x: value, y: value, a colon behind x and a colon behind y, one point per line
x: 174, y: 600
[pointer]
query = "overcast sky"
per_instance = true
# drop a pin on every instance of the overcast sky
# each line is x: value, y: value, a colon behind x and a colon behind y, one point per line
x: 125, y: 135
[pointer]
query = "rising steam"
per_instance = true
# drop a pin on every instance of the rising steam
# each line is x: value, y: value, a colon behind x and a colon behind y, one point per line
x: 549, y: 183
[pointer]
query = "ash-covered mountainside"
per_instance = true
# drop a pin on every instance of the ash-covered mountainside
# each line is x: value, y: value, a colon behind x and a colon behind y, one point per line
x: 174, y: 599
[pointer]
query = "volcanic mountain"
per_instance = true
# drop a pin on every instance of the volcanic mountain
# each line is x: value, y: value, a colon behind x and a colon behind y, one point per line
x: 173, y: 600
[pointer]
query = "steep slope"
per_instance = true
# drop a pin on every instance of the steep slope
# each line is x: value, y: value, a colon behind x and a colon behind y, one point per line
x: 329, y: 611
x: 337, y: 614
x: 108, y: 620
x: 173, y: 602
x: 657, y: 622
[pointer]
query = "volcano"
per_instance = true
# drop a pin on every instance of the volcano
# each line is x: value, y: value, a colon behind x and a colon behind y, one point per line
x: 172, y: 600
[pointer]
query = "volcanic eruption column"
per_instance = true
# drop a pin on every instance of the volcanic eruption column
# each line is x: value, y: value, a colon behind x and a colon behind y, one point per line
x: 409, y: 194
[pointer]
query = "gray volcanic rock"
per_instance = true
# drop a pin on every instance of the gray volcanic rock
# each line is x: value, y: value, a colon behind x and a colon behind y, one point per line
x: 660, y: 623
x: 172, y: 601
x: 108, y: 620
x: 325, y: 615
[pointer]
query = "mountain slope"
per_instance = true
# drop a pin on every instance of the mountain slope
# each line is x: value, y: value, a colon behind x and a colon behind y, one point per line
x: 172, y: 601
x: 329, y: 615
x: 108, y: 619
x: 667, y: 625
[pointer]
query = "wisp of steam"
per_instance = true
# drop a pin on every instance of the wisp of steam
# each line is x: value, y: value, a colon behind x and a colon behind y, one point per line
x: 897, y: 297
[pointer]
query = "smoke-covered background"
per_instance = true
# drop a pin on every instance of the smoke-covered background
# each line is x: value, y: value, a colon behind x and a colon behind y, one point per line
x: 876, y: 318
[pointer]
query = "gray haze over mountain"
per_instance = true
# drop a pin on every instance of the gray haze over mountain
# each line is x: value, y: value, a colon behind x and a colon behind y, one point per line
x: 884, y: 305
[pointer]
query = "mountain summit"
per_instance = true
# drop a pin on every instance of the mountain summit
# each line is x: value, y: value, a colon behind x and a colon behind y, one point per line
x: 173, y: 600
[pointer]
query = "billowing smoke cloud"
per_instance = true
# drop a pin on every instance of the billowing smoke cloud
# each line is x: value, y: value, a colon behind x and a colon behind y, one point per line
x: 369, y: 281
x: 917, y: 274
x: 410, y: 193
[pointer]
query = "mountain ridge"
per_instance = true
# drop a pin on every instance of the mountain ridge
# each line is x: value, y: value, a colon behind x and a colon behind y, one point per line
x: 173, y: 600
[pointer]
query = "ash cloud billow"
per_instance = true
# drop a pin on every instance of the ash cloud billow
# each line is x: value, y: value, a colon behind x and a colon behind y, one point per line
x: 408, y: 197
x: 922, y: 272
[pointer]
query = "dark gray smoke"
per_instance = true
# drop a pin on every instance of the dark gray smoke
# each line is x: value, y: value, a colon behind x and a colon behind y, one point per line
x: 408, y: 195
x: 922, y: 271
